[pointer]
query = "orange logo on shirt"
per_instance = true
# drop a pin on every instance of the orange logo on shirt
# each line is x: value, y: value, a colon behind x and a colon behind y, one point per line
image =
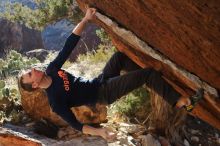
x: 66, y: 82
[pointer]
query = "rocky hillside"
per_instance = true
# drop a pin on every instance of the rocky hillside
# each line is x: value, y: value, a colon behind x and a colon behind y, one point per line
x: 181, y: 39
x: 23, y: 39
x: 18, y: 37
x: 52, y: 37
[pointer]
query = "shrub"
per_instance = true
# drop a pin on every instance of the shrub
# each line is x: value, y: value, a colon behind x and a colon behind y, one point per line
x: 45, y: 12
x: 9, y: 103
x: 136, y: 104
x: 14, y: 62
x: 89, y: 65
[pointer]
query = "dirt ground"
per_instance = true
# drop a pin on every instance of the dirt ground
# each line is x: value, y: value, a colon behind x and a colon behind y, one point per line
x: 200, y: 133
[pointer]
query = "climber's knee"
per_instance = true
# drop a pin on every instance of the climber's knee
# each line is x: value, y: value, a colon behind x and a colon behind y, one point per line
x: 119, y: 55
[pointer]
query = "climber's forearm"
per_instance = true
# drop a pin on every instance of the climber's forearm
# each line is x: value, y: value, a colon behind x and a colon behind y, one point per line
x: 103, y: 132
x: 91, y: 130
x: 80, y: 27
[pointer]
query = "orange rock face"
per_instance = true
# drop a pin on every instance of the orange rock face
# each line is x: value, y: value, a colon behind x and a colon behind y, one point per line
x: 16, y: 139
x: 186, y: 32
x: 179, y: 38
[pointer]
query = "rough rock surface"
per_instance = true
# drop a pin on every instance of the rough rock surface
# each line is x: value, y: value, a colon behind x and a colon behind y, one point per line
x: 37, y: 106
x: 181, y: 39
x: 18, y: 37
x: 25, y: 137
x: 127, y: 135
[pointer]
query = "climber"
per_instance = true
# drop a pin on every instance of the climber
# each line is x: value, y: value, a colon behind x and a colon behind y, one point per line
x: 65, y: 90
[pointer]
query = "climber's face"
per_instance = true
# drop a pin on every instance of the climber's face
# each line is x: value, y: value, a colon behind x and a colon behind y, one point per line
x: 33, y: 77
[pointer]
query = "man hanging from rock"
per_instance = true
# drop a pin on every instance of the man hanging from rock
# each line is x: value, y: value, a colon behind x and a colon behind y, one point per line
x: 64, y: 90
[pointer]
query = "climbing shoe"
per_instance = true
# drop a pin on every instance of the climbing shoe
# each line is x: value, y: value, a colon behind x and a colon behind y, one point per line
x: 195, y: 99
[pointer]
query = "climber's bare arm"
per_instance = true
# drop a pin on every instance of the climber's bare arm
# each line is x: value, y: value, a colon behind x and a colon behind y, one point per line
x: 90, y: 14
x: 103, y: 132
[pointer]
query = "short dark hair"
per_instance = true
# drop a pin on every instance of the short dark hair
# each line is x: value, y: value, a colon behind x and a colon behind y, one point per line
x: 26, y: 86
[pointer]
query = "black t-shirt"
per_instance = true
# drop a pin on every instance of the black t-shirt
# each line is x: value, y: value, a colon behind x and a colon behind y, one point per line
x: 66, y: 90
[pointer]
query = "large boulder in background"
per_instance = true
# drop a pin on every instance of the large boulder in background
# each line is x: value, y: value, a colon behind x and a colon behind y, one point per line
x: 18, y: 37
x: 179, y: 38
x: 36, y: 105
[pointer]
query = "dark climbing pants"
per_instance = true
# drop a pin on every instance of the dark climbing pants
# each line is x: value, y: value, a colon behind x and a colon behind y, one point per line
x: 115, y: 85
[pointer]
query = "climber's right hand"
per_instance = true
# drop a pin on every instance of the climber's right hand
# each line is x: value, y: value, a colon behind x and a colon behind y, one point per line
x: 103, y: 132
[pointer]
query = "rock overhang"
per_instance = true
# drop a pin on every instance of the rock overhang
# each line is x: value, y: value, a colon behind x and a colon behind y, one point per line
x: 187, y: 55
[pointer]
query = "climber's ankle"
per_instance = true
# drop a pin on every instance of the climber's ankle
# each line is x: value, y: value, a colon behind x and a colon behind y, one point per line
x: 183, y: 101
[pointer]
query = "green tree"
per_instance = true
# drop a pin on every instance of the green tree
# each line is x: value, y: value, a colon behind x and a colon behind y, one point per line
x: 47, y: 12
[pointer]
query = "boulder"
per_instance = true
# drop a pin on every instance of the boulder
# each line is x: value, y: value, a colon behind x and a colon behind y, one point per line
x: 36, y: 106
x: 40, y: 54
x: 180, y: 39
x: 23, y: 136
